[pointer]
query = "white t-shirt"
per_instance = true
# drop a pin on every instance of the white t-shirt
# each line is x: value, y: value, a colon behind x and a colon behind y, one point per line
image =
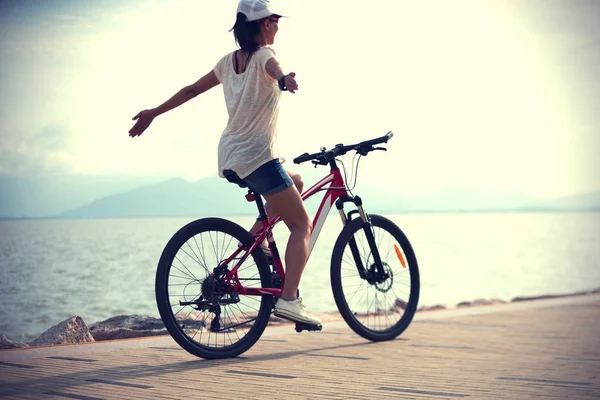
x: 252, y: 99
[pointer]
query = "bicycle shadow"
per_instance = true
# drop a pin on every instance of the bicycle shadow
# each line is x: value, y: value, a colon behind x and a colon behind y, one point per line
x: 115, y: 375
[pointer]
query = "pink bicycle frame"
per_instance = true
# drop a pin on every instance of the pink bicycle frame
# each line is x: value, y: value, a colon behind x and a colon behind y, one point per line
x: 336, y: 189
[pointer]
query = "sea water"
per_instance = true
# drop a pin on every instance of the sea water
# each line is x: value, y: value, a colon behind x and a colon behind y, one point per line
x: 99, y: 268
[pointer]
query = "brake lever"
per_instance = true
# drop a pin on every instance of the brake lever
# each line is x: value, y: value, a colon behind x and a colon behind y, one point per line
x: 318, y: 162
x: 380, y: 148
x: 363, y: 150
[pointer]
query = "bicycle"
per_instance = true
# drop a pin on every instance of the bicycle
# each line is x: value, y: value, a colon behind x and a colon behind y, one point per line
x: 224, y: 310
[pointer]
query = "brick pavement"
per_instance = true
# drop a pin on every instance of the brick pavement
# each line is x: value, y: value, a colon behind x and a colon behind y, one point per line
x: 539, y: 349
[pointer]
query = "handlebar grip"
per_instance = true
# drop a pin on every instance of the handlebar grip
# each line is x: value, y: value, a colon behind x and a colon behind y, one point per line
x: 302, y: 158
x: 382, y: 139
x: 385, y: 138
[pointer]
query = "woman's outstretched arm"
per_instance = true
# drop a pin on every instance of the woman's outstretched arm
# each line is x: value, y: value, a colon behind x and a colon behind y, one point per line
x: 274, y: 70
x: 144, y: 118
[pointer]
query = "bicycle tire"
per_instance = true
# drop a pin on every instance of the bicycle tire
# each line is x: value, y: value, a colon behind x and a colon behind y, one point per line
x: 175, y: 324
x: 342, y: 260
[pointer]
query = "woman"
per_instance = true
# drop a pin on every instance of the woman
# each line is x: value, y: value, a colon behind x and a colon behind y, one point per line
x: 252, y: 83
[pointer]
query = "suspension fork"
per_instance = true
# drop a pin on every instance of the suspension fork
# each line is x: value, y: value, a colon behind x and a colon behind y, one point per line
x: 369, y: 233
x: 367, y: 227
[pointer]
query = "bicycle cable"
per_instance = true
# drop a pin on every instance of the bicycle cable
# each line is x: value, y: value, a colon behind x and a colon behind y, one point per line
x: 355, y: 180
x: 355, y: 170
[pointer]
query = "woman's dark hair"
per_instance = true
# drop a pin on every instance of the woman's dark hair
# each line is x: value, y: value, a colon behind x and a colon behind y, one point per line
x: 244, y: 32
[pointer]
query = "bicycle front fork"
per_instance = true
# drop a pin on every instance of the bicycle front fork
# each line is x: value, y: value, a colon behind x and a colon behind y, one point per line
x: 365, y: 273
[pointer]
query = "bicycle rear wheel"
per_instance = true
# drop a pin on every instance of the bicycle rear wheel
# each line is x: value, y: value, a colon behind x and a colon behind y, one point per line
x: 197, y: 307
x: 375, y: 310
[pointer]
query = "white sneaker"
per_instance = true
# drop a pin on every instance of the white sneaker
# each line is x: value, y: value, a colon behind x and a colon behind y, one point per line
x: 295, y: 311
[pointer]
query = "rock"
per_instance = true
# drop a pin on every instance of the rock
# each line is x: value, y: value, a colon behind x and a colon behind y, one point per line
x: 71, y: 330
x: 6, y: 343
x: 128, y: 326
x: 125, y: 333
x: 546, y: 296
x: 398, y: 307
x: 399, y: 303
x: 488, y: 302
x: 480, y: 302
x: 135, y: 322
x: 555, y: 296
x: 133, y: 326
x: 432, y: 308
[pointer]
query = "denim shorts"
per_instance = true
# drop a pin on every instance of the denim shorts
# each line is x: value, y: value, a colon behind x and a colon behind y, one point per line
x: 269, y: 178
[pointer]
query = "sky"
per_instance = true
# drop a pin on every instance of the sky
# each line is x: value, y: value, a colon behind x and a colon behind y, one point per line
x: 498, y: 95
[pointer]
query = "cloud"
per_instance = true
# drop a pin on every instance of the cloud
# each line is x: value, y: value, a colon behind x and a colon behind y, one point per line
x: 48, y: 150
x: 522, y: 87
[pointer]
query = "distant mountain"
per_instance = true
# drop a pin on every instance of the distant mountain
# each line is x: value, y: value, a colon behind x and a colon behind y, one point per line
x: 173, y: 198
x: 214, y: 196
x: 589, y: 201
x: 49, y: 195
x: 85, y: 196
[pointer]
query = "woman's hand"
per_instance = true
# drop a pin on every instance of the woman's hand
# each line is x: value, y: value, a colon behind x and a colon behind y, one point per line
x: 290, y: 82
x: 144, y: 119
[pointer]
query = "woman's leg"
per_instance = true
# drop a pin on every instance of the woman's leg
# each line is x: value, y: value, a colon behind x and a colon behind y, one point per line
x: 299, y: 185
x: 289, y: 206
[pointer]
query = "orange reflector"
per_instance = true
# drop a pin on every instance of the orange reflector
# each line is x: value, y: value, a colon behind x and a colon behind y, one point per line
x: 399, y: 254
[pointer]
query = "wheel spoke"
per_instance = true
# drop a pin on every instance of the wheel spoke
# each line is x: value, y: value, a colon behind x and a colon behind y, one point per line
x: 200, y: 250
x: 187, y: 272
x: 195, y: 256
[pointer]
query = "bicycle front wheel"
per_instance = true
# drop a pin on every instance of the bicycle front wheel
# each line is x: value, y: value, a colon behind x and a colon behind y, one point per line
x: 198, y: 308
x: 376, y: 310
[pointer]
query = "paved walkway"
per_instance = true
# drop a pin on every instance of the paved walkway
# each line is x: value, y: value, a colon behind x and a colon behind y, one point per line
x: 538, y: 349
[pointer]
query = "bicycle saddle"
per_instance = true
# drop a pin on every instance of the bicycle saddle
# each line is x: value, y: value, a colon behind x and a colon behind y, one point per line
x: 232, y: 177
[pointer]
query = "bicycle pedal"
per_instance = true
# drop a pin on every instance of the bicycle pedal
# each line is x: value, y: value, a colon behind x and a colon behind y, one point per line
x: 307, y: 327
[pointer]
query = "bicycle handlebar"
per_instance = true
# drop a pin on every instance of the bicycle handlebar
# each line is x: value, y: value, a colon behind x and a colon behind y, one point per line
x: 362, y: 148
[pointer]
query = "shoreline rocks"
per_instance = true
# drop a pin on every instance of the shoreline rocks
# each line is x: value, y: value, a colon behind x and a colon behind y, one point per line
x: 71, y: 330
x: 436, y: 307
x: 74, y: 329
x: 127, y: 326
x: 6, y: 343
x: 480, y: 302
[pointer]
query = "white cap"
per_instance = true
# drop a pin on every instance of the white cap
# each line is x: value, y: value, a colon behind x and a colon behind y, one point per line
x: 256, y: 9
